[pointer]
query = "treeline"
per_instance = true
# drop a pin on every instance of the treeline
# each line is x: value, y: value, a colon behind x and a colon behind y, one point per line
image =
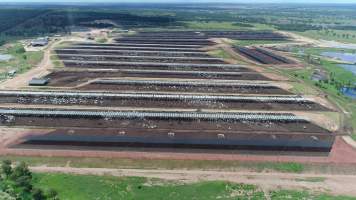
x: 297, y: 27
x: 39, y: 23
x: 12, y: 17
x: 16, y: 183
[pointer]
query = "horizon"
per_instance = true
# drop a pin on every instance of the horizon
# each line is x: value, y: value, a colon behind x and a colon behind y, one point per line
x: 180, y: 1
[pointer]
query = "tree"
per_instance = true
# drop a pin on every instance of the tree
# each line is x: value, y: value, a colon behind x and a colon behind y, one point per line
x: 17, y: 183
x: 6, y: 196
x: 6, y: 168
x: 37, y: 194
x: 20, y: 50
x: 52, y: 194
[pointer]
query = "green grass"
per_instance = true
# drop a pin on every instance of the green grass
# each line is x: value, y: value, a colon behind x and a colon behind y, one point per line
x: 211, y: 25
x: 159, y: 164
x: 220, y: 53
x: 281, y: 167
x: 338, y: 36
x: 86, y: 187
x: 301, y: 195
x: 101, y: 40
x: 56, y: 61
x: 90, y: 187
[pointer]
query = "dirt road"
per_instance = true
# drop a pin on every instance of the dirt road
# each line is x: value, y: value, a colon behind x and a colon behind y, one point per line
x: 334, y: 184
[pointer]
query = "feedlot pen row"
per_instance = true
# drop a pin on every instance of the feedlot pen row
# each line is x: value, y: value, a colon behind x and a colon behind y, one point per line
x: 181, y: 86
x: 160, y: 100
x: 133, y: 53
x: 236, y: 122
x: 263, y: 56
x: 154, y: 65
x: 135, y: 45
x: 203, y: 60
x: 136, y: 48
x: 75, y: 78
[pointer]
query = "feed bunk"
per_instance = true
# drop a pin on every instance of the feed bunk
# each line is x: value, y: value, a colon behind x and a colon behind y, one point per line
x: 131, y: 53
x: 213, y: 86
x: 138, y: 45
x: 155, y: 65
x: 203, y: 42
x: 141, y: 59
x: 135, y: 48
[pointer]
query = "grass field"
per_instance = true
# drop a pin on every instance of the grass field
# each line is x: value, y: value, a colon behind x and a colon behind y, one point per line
x: 211, y: 25
x: 332, y: 35
x: 88, y: 187
x: 220, y: 53
x: 158, y: 164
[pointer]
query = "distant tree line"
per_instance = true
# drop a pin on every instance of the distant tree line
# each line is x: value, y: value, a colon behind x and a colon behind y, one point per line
x: 29, y: 23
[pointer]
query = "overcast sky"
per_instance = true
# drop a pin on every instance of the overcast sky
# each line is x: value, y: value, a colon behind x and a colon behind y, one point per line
x: 189, y: 1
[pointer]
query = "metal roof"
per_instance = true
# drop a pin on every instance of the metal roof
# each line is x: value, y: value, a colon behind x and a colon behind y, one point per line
x: 181, y: 83
x: 62, y: 94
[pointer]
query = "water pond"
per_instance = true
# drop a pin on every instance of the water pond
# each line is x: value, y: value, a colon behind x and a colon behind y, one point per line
x: 348, y: 67
x: 350, y: 92
x: 346, y: 57
x: 5, y: 57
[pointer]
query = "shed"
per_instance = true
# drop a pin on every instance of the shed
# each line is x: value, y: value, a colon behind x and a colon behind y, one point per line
x: 39, y: 42
x: 39, y: 81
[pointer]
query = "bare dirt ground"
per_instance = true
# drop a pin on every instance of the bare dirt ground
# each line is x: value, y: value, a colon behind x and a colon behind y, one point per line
x: 334, y: 184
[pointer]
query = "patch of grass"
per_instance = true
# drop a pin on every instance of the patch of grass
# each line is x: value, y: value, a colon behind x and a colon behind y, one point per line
x: 157, y: 164
x: 101, y: 40
x: 334, y: 35
x: 290, y: 167
x: 292, y: 194
x: 56, y: 61
x: 220, y: 53
x: 90, y: 187
x: 86, y: 187
x: 211, y: 25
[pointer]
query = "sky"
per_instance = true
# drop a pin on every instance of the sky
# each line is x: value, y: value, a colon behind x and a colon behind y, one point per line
x: 186, y: 1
